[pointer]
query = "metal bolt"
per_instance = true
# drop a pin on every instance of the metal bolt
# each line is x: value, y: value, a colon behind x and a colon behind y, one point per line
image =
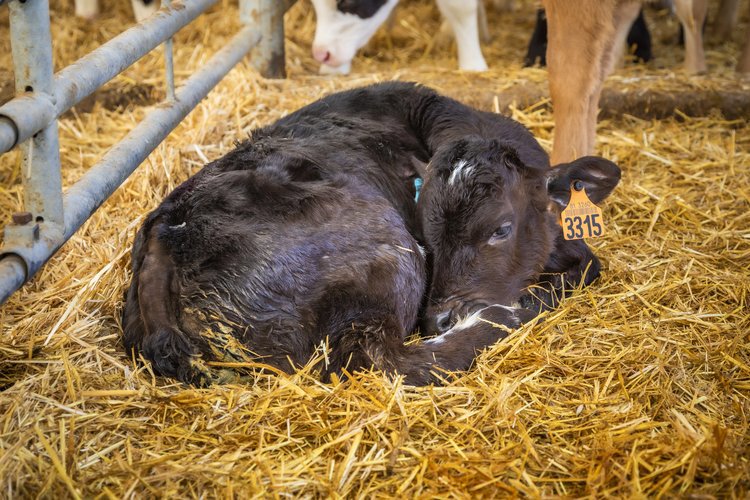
x: 21, y: 218
x: 578, y: 185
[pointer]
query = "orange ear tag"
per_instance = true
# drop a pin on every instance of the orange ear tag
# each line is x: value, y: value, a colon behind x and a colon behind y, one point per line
x: 581, y: 218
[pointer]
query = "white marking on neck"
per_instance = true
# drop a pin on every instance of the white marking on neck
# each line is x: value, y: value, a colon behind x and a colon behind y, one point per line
x: 476, y: 317
x: 440, y: 339
x: 468, y: 322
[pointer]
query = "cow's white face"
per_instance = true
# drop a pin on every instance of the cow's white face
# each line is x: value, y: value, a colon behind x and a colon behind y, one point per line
x: 345, y: 26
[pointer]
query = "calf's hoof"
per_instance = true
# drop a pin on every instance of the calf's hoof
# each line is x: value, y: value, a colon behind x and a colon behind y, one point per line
x: 173, y: 355
x: 474, y: 65
x: 344, y: 69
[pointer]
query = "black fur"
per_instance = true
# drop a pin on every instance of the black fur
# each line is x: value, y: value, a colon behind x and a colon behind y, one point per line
x: 308, y: 232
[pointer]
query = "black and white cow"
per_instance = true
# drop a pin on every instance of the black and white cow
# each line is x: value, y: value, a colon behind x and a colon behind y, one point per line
x: 89, y: 9
x: 345, y: 26
x: 309, y: 233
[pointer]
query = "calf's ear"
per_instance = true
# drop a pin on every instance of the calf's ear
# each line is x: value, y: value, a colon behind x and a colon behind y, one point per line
x: 598, y: 176
x: 419, y: 167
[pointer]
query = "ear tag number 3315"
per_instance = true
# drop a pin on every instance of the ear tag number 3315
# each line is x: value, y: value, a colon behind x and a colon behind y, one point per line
x: 581, y: 218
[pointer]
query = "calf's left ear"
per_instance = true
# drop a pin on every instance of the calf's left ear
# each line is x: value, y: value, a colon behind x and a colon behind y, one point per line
x: 598, y: 176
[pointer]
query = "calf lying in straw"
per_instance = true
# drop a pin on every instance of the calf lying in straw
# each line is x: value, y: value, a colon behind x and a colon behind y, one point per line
x: 309, y: 232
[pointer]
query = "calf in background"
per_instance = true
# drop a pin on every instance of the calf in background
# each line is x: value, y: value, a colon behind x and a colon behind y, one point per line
x: 142, y: 9
x: 582, y: 51
x: 345, y: 26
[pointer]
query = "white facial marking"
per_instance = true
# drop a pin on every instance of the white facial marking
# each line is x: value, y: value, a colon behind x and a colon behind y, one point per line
x: 462, y: 169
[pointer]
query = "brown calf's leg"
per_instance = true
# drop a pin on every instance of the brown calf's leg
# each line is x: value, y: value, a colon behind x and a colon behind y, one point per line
x: 623, y: 16
x: 743, y: 65
x: 579, y: 35
x: 692, y: 13
x: 726, y: 19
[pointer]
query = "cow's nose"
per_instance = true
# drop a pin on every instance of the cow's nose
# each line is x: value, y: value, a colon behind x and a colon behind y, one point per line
x: 444, y: 321
x: 321, y: 55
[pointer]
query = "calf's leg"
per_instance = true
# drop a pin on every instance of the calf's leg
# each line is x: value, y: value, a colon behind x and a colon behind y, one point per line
x: 726, y: 19
x: 624, y: 16
x: 743, y: 65
x: 692, y: 14
x: 537, y: 50
x: 428, y: 362
x: 580, y: 54
x: 87, y: 9
x: 571, y: 265
x: 580, y: 35
x: 142, y: 9
x: 462, y: 15
x: 375, y: 339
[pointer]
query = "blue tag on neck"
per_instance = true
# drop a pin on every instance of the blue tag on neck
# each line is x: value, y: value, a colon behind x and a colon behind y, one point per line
x: 418, y: 187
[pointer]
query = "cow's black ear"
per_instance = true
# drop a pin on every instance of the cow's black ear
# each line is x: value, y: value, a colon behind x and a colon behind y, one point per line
x: 599, y: 177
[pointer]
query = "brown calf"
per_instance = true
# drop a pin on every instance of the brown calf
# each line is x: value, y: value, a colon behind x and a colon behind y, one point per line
x: 584, y: 38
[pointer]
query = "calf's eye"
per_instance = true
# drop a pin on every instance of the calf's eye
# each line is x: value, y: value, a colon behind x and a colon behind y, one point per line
x: 502, y: 233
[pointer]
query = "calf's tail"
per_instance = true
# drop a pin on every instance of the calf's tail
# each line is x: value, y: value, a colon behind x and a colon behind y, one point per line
x: 151, y: 316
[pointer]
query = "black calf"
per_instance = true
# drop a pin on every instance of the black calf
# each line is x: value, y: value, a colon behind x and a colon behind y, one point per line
x: 308, y: 233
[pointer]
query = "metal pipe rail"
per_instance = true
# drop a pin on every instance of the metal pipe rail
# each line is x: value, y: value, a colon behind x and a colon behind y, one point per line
x: 79, y: 80
x: 30, y: 121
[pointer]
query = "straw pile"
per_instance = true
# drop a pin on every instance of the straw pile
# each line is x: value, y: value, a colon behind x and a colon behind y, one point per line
x: 637, y: 386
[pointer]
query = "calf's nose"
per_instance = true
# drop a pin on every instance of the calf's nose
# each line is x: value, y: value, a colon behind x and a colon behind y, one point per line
x: 321, y: 54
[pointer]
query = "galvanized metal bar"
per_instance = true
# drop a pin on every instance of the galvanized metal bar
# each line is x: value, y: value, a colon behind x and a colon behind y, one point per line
x: 8, y: 133
x: 31, y: 46
x: 101, y: 180
x: 120, y: 161
x: 268, y: 58
x: 86, y: 75
x: 12, y: 275
x: 168, y: 61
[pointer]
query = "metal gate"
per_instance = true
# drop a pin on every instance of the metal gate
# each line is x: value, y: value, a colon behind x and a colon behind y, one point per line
x: 30, y: 120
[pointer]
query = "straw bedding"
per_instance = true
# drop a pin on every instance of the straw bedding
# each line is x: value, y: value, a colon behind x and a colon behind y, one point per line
x: 637, y: 386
